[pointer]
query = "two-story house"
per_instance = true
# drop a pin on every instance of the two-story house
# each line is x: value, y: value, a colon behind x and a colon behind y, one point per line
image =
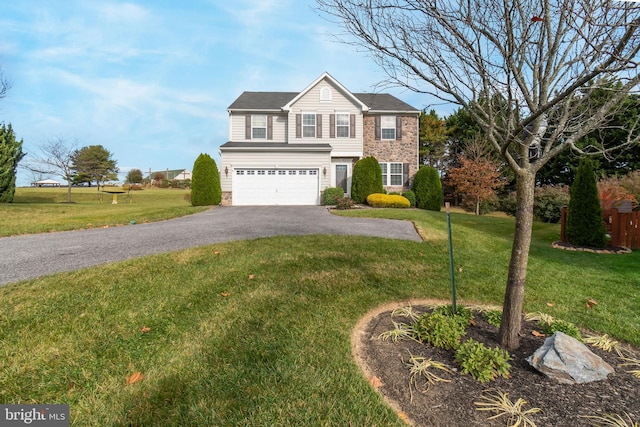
x: 285, y: 148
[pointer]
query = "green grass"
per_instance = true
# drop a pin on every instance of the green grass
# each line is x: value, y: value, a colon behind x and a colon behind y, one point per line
x: 40, y: 210
x: 276, y: 350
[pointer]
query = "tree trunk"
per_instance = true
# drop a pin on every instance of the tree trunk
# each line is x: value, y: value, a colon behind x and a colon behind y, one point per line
x: 68, y: 191
x: 508, y: 334
x: 477, y: 206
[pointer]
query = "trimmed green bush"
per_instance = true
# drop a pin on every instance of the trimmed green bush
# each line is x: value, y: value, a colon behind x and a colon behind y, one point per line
x: 366, y: 179
x: 481, y: 362
x: 584, y: 221
x: 331, y: 194
x: 411, y: 196
x: 205, y: 182
x: 428, y: 189
x: 387, y: 201
x: 440, y: 330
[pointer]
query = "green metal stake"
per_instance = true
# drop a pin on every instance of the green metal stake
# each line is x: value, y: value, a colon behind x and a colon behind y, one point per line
x: 451, y: 268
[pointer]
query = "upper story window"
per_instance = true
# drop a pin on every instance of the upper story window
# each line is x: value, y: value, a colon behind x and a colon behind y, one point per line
x: 388, y: 127
x: 325, y: 94
x: 308, y: 125
x: 259, y: 126
x: 342, y: 125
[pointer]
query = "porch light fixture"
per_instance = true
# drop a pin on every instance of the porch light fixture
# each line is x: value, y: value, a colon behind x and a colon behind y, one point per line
x: 226, y: 171
x: 324, y: 171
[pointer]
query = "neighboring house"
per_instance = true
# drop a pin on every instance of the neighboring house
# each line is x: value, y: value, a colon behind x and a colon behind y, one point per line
x: 285, y: 148
x: 170, y: 175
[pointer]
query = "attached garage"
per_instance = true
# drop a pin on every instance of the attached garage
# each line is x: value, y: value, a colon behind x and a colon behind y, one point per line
x: 263, y: 174
x: 260, y: 186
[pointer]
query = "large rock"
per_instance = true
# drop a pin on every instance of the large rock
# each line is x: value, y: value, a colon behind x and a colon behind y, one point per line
x: 568, y: 361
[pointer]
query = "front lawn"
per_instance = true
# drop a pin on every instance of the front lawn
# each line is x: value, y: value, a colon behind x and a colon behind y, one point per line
x: 257, y: 333
x: 41, y: 210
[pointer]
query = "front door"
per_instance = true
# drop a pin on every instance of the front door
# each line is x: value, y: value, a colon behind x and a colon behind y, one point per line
x: 341, y: 177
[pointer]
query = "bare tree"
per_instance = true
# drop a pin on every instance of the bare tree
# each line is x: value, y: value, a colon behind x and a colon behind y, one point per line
x: 55, y: 159
x: 530, y: 73
x: 5, y: 84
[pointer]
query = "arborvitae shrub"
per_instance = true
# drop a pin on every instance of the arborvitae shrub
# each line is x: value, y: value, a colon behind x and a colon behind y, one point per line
x: 584, y: 221
x: 428, y: 189
x: 411, y: 196
x: 205, y: 182
x: 366, y: 179
x: 330, y: 195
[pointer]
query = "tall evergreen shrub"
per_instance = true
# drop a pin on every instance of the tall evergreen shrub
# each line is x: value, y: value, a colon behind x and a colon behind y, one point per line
x: 10, y: 154
x: 205, y: 182
x: 366, y: 179
x: 584, y: 221
x: 428, y: 189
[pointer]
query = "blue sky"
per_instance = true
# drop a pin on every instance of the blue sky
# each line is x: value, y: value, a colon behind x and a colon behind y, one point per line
x: 151, y: 80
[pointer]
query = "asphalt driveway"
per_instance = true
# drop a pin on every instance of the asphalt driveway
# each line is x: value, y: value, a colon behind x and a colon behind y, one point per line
x: 31, y: 256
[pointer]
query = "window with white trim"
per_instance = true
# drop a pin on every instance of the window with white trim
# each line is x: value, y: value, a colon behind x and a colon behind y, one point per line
x: 342, y: 125
x: 391, y: 173
x: 259, y: 126
x: 388, y: 127
x: 325, y: 94
x: 308, y: 125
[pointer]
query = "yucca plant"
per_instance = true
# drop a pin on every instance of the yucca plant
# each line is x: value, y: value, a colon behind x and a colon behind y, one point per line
x: 611, y: 420
x: 400, y: 331
x: 423, y: 367
x: 497, y: 401
x: 606, y: 343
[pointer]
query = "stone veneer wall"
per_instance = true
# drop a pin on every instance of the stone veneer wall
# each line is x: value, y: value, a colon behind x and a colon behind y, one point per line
x: 405, y: 150
x: 226, y: 198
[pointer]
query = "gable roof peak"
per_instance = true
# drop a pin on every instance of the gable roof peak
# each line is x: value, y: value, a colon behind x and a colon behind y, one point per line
x: 336, y: 83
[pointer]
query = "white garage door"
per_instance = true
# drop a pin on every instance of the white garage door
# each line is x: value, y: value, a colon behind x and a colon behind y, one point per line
x: 275, y: 187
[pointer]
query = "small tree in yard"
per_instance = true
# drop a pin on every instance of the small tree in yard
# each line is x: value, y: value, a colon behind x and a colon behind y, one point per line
x: 428, y: 189
x: 477, y: 176
x: 205, y: 182
x: 366, y: 179
x: 529, y: 73
x: 584, y: 222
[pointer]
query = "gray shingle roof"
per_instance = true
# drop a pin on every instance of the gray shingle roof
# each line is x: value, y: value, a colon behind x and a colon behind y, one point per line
x: 256, y: 101
x: 262, y: 100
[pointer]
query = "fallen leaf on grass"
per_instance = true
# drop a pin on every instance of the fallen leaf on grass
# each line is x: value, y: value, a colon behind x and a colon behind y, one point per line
x: 145, y: 329
x: 537, y: 334
x: 216, y: 253
x: 592, y: 301
x: 251, y: 276
x: 472, y: 322
x: 135, y: 377
x: 420, y: 253
x: 550, y: 304
x: 225, y: 294
x: 587, y: 305
x: 460, y: 270
x: 403, y: 416
x: 375, y: 382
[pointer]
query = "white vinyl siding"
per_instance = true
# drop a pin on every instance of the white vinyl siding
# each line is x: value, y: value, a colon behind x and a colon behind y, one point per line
x: 238, y: 128
x: 339, y: 104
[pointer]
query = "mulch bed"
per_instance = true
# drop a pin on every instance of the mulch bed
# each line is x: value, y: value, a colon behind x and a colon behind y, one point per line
x: 452, y: 403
